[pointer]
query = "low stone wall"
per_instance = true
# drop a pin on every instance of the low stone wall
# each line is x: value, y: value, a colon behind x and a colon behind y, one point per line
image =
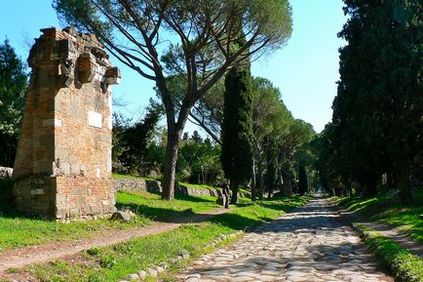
x: 214, y: 192
x: 136, y: 185
x: 152, y: 186
x: 143, y: 185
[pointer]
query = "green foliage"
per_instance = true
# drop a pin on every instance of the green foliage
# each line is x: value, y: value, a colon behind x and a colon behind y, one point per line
x: 13, y: 84
x: 237, y: 127
x: 377, y: 112
x: 131, y: 143
x: 199, y: 161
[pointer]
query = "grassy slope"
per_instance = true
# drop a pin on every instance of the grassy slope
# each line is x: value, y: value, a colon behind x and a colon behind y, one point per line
x: 114, y: 263
x: 17, y: 231
x: 388, y: 209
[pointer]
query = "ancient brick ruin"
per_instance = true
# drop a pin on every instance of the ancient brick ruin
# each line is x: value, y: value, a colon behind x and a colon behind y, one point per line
x: 63, y: 164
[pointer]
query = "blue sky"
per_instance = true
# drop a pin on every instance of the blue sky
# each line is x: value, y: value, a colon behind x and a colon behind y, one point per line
x: 305, y: 71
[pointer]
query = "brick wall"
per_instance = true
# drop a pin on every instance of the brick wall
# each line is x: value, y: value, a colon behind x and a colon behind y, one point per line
x: 63, y: 164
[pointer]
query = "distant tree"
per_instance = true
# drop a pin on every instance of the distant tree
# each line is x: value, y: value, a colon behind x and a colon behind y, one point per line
x: 13, y: 85
x: 271, y: 121
x: 199, y: 162
x: 185, y: 137
x: 205, y: 31
x: 132, y: 140
x: 120, y: 125
x: 299, y: 134
x: 196, y: 137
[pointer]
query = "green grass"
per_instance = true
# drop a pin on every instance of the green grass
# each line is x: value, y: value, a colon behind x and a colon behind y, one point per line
x: 388, y: 209
x: 18, y: 231
x: 114, y: 263
x: 404, y: 265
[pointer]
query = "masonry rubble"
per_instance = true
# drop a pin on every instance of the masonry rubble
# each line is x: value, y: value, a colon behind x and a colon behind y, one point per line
x: 63, y: 163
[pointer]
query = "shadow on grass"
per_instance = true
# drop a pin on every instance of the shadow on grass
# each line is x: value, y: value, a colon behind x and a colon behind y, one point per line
x: 235, y: 221
x: 155, y: 213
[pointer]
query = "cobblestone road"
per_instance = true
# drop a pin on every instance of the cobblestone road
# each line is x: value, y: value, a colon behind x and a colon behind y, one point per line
x: 310, y: 244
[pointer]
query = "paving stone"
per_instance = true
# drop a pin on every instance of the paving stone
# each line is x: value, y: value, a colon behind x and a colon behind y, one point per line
x: 309, y: 244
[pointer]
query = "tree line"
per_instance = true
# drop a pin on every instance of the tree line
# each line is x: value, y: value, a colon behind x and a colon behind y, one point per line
x: 202, y: 75
x: 375, y: 137
x: 278, y: 157
x: 209, y: 41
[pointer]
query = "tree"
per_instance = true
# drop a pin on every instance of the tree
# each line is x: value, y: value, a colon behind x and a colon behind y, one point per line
x: 199, y: 161
x: 13, y: 84
x: 376, y: 125
x: 403, y: 87
x: 237, y: 129
x: 132, y: 141
x: 271, y: 121
x: 135, y: 32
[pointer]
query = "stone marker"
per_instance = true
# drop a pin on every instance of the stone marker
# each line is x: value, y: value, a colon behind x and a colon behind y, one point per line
x: 63, y: 163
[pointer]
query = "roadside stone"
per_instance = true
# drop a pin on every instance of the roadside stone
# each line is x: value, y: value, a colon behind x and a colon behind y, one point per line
x: 160, y: 269
x: 121, y: 215
x: 133, y: 277
x: 164, y: 265
x: 151, y: 272
x: 142, y: 274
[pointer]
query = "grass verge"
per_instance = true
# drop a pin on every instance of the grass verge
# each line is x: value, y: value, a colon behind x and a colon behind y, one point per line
x: 387, y: 208
x: 403, y: 264
x: 115, y: 262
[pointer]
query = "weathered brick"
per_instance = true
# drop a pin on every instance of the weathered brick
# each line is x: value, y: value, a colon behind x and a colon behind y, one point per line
x: 61, y: 152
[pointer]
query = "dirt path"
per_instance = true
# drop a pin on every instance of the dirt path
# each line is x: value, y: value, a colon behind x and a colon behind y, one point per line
x: 386, y: 230
x: 309, y: 244
x: 391, y: 232
x: 21, y: 257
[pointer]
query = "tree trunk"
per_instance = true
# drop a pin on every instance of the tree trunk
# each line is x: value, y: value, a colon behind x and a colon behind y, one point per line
x: 261, y: 182
x: 405, y: 185
x: 169, y: 174
x: 254, y: 182
x: 287, y: 185
x: 234, y: 196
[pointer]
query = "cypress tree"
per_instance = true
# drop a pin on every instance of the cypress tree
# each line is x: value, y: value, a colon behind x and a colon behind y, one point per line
x: 237, y: 158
